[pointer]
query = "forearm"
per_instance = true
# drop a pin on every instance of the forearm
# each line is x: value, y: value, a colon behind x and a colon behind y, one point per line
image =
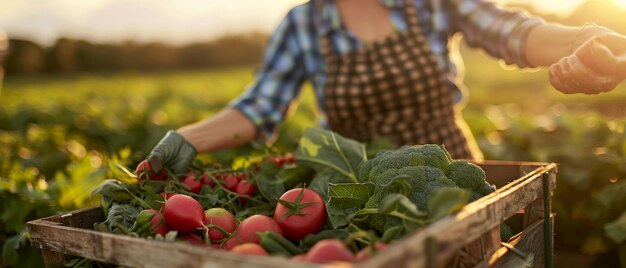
x: 229, y: 128
x: 547, y: 44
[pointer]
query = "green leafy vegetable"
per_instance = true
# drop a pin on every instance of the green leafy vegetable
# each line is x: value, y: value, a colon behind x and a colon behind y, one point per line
x: 332, y: 154
x: 12, y: 244
x: 447, y: 200
x: 345, y: 199
x: 113, y: 190
x: 121, y: 217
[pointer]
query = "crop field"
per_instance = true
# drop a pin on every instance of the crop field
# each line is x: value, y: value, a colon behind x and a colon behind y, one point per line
x: 58, y: 135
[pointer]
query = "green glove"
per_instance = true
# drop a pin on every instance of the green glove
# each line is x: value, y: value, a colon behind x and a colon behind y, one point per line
x: 173, y: 152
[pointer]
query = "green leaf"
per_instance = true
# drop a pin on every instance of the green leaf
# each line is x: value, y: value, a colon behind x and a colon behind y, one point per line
x: 578, y: 178
x: 320, y: 184
x: 312, y: 239
x: 101, y: 227
x: 446, y: 200
x: 616, y: 230
x: 399, y: 184
x: 269, y: 186
x: 613, y: 198
x: 345, y: 199
x: 10, y: 247
x: 113, y: 190
x: 78, y: 181
x: 73, y: 262
x: 293, y: 175
x: 401, y: 207
x: 272, y: 182
x: 393, y: 233
x: 121, y: 215
x: 326, y: 151
x: 399, y: 203
x: 278, y: 245
x: 142, y: 223
x: 208, y: 197
x: 14, y: 213
x: 121, y: 173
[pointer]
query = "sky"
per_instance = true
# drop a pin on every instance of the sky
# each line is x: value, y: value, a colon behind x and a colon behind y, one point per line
x: 170, y: 21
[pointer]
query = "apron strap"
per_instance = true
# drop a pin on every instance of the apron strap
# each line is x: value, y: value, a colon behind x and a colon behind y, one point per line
x: 325, y: 43
x: 410, y: 14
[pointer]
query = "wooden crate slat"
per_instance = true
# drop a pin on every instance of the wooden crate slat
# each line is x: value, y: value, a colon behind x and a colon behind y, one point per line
x: 139, y: 252
x: 530, y: 242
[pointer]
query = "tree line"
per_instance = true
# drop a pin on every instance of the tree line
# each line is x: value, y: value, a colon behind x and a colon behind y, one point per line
x: 72, y: 55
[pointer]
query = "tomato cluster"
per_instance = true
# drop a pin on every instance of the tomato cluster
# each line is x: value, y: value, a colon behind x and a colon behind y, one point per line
x: 280, y: 160
x: 298, y: 212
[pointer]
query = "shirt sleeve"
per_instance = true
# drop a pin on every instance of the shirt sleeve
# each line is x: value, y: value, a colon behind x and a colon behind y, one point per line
x: 502, y: 33
x: 277, y: 82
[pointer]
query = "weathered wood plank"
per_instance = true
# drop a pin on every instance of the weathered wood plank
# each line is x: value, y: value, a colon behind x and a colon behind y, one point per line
x: 530, y: 242
x: 52, y: 259
x: 139, y: 252
x: 501, y: 173
x: 83, y: 218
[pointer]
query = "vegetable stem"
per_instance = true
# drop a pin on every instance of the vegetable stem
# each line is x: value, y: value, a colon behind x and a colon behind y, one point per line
x: 341, y: 171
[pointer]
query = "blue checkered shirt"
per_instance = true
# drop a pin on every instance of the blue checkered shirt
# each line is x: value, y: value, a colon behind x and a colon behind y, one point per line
x: 293, y: 53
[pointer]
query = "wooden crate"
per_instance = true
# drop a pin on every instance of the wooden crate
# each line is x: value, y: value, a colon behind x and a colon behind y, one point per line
x: 470, y: 238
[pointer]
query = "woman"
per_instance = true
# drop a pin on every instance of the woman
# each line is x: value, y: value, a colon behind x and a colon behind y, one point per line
x: 381, y: 68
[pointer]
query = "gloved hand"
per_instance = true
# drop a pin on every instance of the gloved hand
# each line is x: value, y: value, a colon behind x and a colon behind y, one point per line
x: 173, y: 152
x: 593, y: 68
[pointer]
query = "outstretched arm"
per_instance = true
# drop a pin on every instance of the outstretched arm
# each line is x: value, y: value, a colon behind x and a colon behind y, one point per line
x: 548, y: 43
x: 229, y: 128
x: 254, y: 114
x: 530, y: 42
x: 589, y: 59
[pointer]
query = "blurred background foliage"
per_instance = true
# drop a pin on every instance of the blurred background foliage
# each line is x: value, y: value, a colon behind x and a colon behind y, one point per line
x: 69, y: 110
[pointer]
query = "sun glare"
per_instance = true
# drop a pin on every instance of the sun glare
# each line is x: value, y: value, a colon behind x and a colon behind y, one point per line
x: 620, y: 3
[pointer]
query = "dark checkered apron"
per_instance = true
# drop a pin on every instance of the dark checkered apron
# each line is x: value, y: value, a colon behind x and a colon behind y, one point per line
x: 393, y: 89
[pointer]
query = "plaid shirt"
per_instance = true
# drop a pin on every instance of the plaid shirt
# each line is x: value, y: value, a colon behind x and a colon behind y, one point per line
x: 293, y: 54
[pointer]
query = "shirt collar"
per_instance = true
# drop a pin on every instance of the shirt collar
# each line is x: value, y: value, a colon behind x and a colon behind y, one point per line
x: 330, y: 17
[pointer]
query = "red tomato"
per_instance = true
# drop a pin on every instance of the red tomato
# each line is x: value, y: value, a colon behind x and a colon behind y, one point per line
x: 193, y: 239
x: 221, y: 218
x: 144, y: 171
x: 248, y: 228
x: 300, y: 212
x: 277, y: 160
x: 191, y: 182
x: 244, y: 188
x: 230, y: 182
x: 231, y: 243
x: 183, y: 213
x: 250, y: 249
x: 299, y: 257
x: 206, y: 179
x: 158, y: 224
x: 329, y: 250
x: 241, y: 176
x: 167, y: 196
x: 289, y: 158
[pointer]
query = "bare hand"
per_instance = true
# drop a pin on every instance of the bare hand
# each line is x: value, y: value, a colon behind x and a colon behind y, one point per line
x: 592, y: 69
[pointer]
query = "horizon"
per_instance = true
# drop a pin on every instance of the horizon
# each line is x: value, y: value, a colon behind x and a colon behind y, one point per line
x: 167, y: 21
